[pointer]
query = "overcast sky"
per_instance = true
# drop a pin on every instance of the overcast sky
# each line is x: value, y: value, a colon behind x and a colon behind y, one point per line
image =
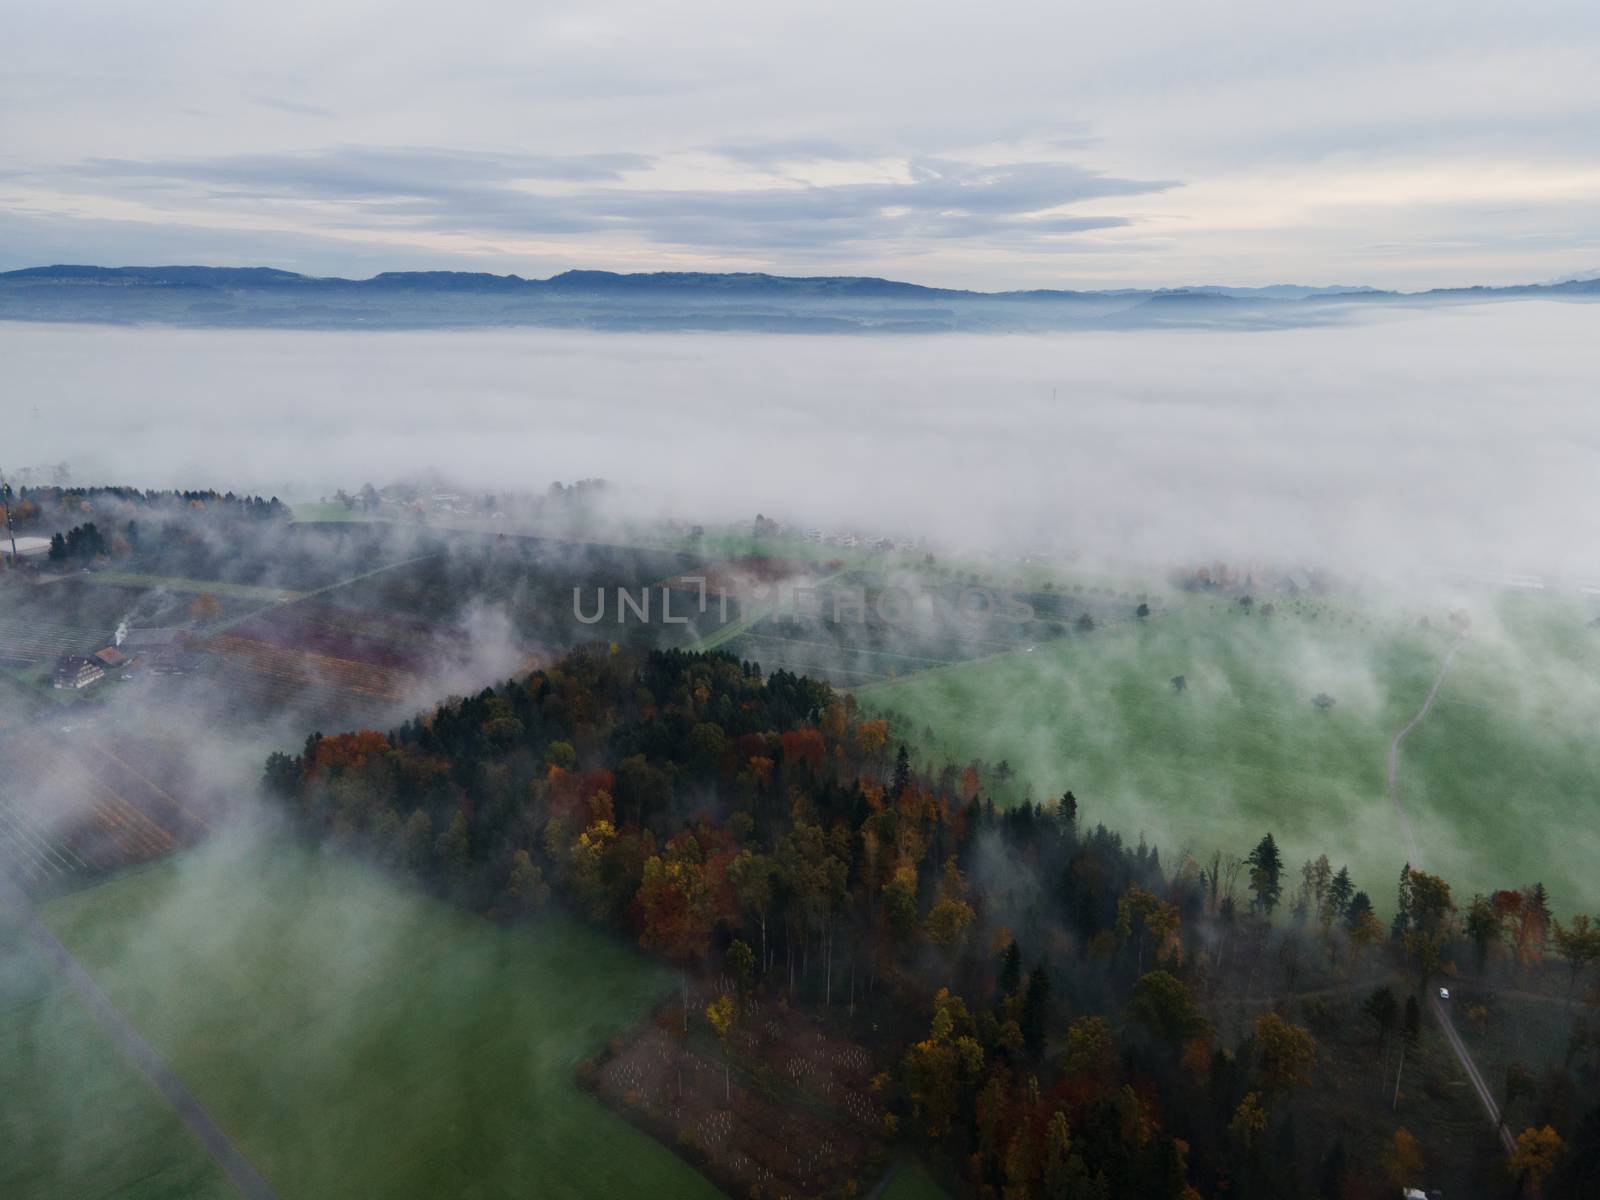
x: 1009, y: 144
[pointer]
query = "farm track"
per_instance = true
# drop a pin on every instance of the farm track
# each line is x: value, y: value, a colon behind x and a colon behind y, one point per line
x: 244, y: 1177
x: 1436, y: 1006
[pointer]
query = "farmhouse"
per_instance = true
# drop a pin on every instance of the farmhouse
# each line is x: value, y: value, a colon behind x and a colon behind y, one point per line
x: 75, y: 671
x: 111, y: 658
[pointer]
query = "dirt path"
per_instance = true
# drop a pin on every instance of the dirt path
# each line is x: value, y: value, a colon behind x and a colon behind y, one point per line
x: 1390, y: 776
x: 1463, y: 1055
x: 217, y: 1144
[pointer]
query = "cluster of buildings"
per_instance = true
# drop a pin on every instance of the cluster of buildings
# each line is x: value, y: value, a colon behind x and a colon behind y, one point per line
x: 158, y: 651
x: 852, y: 541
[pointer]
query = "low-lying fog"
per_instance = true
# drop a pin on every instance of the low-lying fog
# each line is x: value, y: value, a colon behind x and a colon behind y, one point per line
x: 1465, y: 436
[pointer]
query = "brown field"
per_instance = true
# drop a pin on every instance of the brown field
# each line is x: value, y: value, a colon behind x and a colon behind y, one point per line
x: 298, y: 669
x: 795, y: 1114
x: 90, y: 810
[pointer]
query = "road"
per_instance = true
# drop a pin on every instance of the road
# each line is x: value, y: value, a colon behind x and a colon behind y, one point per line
x: 1441, y: 1014
x: 141, y: 1053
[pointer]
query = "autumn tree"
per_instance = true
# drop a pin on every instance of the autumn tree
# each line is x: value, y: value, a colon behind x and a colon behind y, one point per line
x: 1402, y: 1161
x: 951, y: 916
x: 674, y: 904
x: 1285, y: 1052
x: 1249, y: 1121
x: 1064, y: 1176
x: 721, y: 1013
x: 900, y: 905
x: 1162, y: 1004
x: 1578, y: 944
x: 938, y: 1069
x: 1538, y: 1151
x: 1140, y: 915
x: 1090, y: 1048
x: 741, y: 963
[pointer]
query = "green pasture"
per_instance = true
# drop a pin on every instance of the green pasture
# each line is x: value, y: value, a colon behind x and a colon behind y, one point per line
x: 76, y: 1119
x: 175, y: 583
x: 355, y: 1038
x: 1498, y: 780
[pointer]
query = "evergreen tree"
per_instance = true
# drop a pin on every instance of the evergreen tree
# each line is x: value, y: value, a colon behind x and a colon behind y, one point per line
x: 902, y: 773
x: 1402, y: 912
x: 1035, y: 1010
x: 1340, y: 892
x: 1067, y: 811
x: 1010, y: 970
x: 1266, y: 870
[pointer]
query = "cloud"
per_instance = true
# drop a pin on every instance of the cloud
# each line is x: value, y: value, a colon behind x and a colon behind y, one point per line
x: 295, y: 107
x: 782, y: 122
x: 361, y: 172
x: 497, y: 194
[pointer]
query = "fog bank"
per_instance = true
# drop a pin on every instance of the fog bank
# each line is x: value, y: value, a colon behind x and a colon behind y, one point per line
x: 1464, y: 437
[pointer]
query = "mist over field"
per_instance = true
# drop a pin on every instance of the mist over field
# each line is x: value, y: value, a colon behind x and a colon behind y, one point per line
x: 1385, y: 443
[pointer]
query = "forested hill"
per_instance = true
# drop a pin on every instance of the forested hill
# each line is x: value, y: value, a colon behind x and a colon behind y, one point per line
x: 1046, y: 1002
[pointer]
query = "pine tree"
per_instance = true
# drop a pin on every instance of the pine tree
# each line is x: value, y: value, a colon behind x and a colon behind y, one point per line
x: 1035, y: 1010
x: 1402, y: 911
x: 1340, y: 892
x: 1359, y: 907
x: 1266, y: 870
x: 1067, y: 811
x: 902, y: 773
x: 1010, y: 970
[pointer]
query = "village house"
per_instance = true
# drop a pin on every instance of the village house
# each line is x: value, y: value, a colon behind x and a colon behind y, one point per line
x: 75, y: 671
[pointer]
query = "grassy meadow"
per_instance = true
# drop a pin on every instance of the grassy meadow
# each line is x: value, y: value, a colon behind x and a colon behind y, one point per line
x: 76, y: 1119
x: 1497, y: 780
x: 354, y: 1038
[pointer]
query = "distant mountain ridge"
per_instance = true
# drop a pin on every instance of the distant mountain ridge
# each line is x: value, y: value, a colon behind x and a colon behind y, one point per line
x: 653, y: 281
x: 250, y: 297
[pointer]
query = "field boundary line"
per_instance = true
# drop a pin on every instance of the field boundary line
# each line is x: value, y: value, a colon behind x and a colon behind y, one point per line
x: 1392, y: 784
x: 141, y: 1053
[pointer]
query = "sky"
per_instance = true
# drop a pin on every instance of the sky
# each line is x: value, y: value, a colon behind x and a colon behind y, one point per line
x: 1147, y: 143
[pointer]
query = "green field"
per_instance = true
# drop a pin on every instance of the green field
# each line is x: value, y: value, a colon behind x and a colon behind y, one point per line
x: 912, y: 1182
x: 353, y: 1038
x: 175, y: 583
x: 75, y: 1118
x: 1499, y: 780
x: 1503, y: 779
